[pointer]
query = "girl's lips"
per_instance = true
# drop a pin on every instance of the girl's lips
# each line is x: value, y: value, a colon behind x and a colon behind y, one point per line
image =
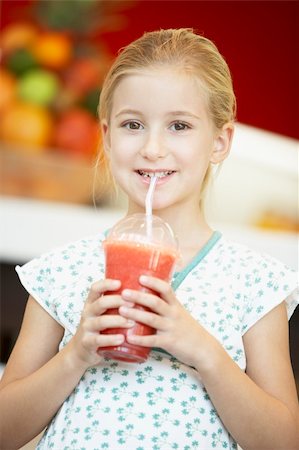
x: 163, y: 176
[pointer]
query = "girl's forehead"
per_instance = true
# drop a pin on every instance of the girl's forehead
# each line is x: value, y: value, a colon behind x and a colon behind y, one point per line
x: 165, y: 84
x: 173, y: 75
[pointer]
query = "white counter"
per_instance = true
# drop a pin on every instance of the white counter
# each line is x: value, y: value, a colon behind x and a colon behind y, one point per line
x: 30, y: 227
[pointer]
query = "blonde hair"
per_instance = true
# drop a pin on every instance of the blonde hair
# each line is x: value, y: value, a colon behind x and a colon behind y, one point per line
x: 185, y: 51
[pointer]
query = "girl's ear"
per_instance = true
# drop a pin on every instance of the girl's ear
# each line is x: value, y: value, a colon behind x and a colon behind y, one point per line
x: 222, y: 144
x: 105, y: 136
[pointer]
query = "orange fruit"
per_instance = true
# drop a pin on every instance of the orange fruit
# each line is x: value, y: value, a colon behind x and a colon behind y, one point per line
x: 77, y: 134
x: 17, y: 35
x: 7, y: 89
x: 83, y: 75
x: 29, y: 126
x: 53, y: 49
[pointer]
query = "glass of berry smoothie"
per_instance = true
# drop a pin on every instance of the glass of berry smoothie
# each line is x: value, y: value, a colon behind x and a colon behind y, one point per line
x: 137, y: 245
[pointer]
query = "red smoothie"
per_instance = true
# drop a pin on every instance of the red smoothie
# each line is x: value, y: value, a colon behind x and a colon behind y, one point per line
x: 126, y: 261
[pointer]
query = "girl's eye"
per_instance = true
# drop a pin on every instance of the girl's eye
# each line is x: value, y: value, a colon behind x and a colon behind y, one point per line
x: 179, y: 126
x: 132, y: 125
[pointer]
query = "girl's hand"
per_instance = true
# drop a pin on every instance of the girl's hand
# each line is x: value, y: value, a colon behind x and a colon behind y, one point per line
x: 88, y: 339
x: 177, y: 331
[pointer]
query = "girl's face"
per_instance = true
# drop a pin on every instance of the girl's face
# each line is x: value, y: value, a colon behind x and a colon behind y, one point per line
x: 160, y: 124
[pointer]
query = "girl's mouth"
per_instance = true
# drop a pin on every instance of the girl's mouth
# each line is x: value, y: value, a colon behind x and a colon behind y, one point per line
x: 162, y: 175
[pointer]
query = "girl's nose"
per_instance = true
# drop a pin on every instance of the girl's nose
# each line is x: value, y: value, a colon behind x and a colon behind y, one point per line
x: 153, y: 148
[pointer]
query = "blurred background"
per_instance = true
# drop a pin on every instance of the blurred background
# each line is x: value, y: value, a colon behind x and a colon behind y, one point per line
x: 54, y: 55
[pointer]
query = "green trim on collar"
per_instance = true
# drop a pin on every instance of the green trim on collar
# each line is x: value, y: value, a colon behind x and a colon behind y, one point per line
x: 179, y: 277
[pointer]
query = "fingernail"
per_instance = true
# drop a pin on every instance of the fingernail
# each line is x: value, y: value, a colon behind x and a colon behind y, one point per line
x: 130, y: 323
x: 127, y: 293
x: 129, y: 304
x: 143, y: 279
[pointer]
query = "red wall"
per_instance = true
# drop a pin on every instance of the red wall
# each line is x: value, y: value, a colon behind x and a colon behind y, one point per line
x: 259, y: 39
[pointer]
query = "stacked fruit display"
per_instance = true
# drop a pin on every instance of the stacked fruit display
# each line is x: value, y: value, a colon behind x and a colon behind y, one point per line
x: 50, y: 84
x: 49, y: 90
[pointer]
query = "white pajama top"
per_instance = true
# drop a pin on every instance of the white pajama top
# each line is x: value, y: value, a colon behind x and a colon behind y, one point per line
x: 160, y: 404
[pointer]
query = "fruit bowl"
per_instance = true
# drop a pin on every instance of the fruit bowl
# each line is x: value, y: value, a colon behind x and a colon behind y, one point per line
x: 49, y: 176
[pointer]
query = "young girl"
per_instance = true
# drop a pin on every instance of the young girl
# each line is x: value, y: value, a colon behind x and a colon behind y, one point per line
x: 219, y: 371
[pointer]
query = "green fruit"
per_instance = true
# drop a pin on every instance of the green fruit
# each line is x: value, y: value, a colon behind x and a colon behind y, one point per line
x: 38, y: 86
x: 91, y: 101
x: 21, y: 61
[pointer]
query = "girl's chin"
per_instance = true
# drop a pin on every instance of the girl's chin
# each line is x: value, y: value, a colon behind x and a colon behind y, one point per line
x: 158, y: 206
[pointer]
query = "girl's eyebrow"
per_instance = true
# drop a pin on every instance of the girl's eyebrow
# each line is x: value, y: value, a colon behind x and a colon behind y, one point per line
x: 171, y: 113
x: 184, y: 113
x: 129, y: 111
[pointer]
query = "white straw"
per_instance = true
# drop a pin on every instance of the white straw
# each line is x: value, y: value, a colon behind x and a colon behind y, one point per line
x: 149, y: 206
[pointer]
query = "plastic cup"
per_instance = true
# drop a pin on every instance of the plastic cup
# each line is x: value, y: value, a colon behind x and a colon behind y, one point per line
x: 133, y: 249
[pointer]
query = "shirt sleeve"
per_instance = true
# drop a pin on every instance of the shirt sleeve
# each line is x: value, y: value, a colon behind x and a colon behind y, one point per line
x: 268, y: 282
x: 60, y: 279
x: 39, y: 279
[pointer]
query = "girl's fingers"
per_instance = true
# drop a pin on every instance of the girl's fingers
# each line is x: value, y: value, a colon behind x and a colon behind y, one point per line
x: 160, y: 286
x: 100, y: 287
x: 104, y: 303
x: 145, y: 341
x: 107, y: 321
x: 151, y: 301
x: 145, y: 317
x: 156, y: 302
x: 93, y: 341
x: 106, y: 340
